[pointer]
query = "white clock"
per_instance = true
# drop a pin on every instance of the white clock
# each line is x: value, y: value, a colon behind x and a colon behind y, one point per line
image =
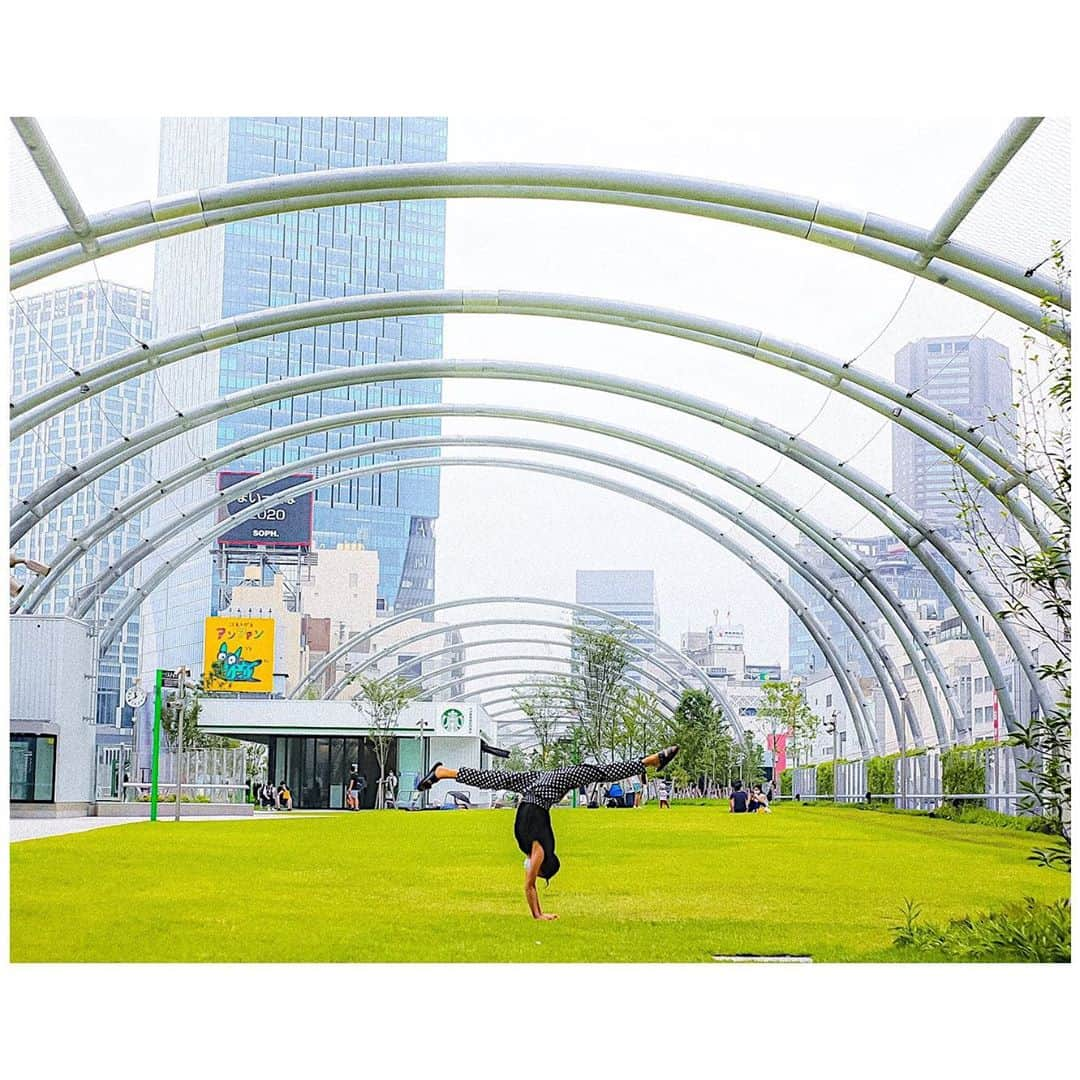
x: 135, y: 696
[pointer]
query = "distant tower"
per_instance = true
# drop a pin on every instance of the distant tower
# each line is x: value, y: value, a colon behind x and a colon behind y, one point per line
x: 627, y: 594
x: 50, y: 334
x: 290, y: 258
x: 972, y: 378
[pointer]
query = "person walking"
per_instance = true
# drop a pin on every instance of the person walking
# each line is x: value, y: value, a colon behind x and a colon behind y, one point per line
x: 353, y: 788
x: 662, y: 793
x: 539, y: 792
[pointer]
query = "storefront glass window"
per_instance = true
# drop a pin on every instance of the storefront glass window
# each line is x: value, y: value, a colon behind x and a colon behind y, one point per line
x: 33, y: 768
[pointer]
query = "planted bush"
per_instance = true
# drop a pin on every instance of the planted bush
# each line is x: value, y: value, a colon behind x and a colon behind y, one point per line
x: 1032, y: 932
x: 826, y: 779
x: 880, y: 775
x: 963, y: 772
x: 785, y: 782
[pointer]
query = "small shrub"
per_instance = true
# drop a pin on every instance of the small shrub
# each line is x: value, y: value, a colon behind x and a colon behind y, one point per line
x: 963, y: 772
x: 880, y: 775
x: 826, y: 779
x: 976, y: 815
x: 1032, y: 932
x: 785, y: 782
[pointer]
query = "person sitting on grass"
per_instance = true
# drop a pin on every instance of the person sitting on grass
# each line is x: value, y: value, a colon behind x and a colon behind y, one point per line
x: 739, y: 802
x: 539, y: 792
x: 758, y: 802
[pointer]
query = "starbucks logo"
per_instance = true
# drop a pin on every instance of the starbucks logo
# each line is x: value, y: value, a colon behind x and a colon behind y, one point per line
x: 452, y: 721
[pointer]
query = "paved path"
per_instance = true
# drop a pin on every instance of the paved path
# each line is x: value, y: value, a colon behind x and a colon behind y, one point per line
x: 36, y: 828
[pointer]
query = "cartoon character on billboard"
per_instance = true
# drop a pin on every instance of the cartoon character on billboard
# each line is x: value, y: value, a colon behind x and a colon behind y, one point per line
x: 233, y: 667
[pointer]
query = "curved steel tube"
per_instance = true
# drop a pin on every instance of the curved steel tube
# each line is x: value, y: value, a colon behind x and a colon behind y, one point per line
x: 877, y: 655
x: 898, y: 404
x: 898, y: 518
x: 358, y: 639
x: 955, y: 265
x: 373, y: 660
x: 549, y: 673
x: 846, y: 678
x: 661, y: 686
x: 891, y: 607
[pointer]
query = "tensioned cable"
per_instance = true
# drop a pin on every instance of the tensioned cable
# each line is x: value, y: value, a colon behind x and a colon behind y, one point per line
x: 138, y: 341
x: 887, y: 423
x: 74, y: 371
x: 1039, y: 265
x: 831, y: 390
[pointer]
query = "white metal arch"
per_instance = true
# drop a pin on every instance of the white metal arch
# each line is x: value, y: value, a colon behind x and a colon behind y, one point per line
x: 858, y: 707
x: 891, y: 512
x: 930, y: 254
x: 444, y: 629
x: 892, y: 609
x: 899, y: 405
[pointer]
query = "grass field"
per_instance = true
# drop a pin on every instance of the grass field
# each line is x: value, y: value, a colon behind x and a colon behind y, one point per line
x: 677, y: 885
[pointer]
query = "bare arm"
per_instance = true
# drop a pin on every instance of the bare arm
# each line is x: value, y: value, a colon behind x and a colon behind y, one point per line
x: 532, y: 871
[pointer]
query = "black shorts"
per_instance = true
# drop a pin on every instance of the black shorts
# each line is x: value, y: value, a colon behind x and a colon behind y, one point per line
x: 533, y: 822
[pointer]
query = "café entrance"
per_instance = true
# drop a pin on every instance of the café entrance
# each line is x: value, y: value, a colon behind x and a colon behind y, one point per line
x: 317, y: 768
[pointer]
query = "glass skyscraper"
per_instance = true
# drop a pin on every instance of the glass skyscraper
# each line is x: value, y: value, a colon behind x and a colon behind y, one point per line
x: 51, y: 334
x: 289, y: 259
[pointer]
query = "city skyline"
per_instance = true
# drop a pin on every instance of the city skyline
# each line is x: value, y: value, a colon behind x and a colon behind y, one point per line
x: 49, y: 333
x: 487, y: 512
x: 294, y: 258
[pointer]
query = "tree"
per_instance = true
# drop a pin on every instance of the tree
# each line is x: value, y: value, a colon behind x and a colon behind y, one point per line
x: 786, y: 712
x: 1033, y: 579
x: 596, y: 693
x: 640, y: 725
x: 699, y: 727
x: 195, y: 738
x: 382, y: 701
x: 544, y: 706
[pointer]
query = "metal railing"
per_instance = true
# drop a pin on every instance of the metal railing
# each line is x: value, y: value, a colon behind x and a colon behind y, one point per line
x: 918, y: 782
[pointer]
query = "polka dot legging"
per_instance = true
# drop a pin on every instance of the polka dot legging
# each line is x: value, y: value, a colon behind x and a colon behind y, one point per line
x: 547, y: 788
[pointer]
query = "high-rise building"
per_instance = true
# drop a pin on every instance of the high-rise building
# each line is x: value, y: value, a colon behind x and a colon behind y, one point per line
x: 627, y: 594
x: 894, y: 566
x: 287, y: 259
x: 970, y: 377
x: 50, y: 335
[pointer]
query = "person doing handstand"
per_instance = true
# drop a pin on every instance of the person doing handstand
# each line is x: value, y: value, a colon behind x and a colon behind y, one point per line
x: 539, y: 792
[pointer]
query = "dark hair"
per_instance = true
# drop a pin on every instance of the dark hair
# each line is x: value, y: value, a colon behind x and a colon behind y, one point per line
x: 549, y: 867
x: 736, y: 785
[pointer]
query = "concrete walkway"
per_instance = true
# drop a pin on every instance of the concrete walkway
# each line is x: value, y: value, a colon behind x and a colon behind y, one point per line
x: 37, y: 828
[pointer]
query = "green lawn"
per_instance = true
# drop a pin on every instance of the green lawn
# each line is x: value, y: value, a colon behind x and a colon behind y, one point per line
x: 643, y: 885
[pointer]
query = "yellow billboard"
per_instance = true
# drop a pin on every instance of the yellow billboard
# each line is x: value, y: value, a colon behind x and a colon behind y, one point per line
x: 238, y: 654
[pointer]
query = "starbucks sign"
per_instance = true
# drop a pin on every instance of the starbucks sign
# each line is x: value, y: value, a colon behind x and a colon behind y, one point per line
x: 452, y: 721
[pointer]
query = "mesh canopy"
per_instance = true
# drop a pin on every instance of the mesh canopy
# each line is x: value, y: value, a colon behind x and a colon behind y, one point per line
x: 1029, y: 206
x: 31, y: 206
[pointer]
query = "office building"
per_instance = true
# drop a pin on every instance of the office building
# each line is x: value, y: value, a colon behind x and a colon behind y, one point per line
x: 286, y: 259
x: 970, y: 377
x: 51, y: 334
x: 629, y: 595
x: 894, y: 566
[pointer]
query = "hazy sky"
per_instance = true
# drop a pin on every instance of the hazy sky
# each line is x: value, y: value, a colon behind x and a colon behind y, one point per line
x: 510, y: 532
